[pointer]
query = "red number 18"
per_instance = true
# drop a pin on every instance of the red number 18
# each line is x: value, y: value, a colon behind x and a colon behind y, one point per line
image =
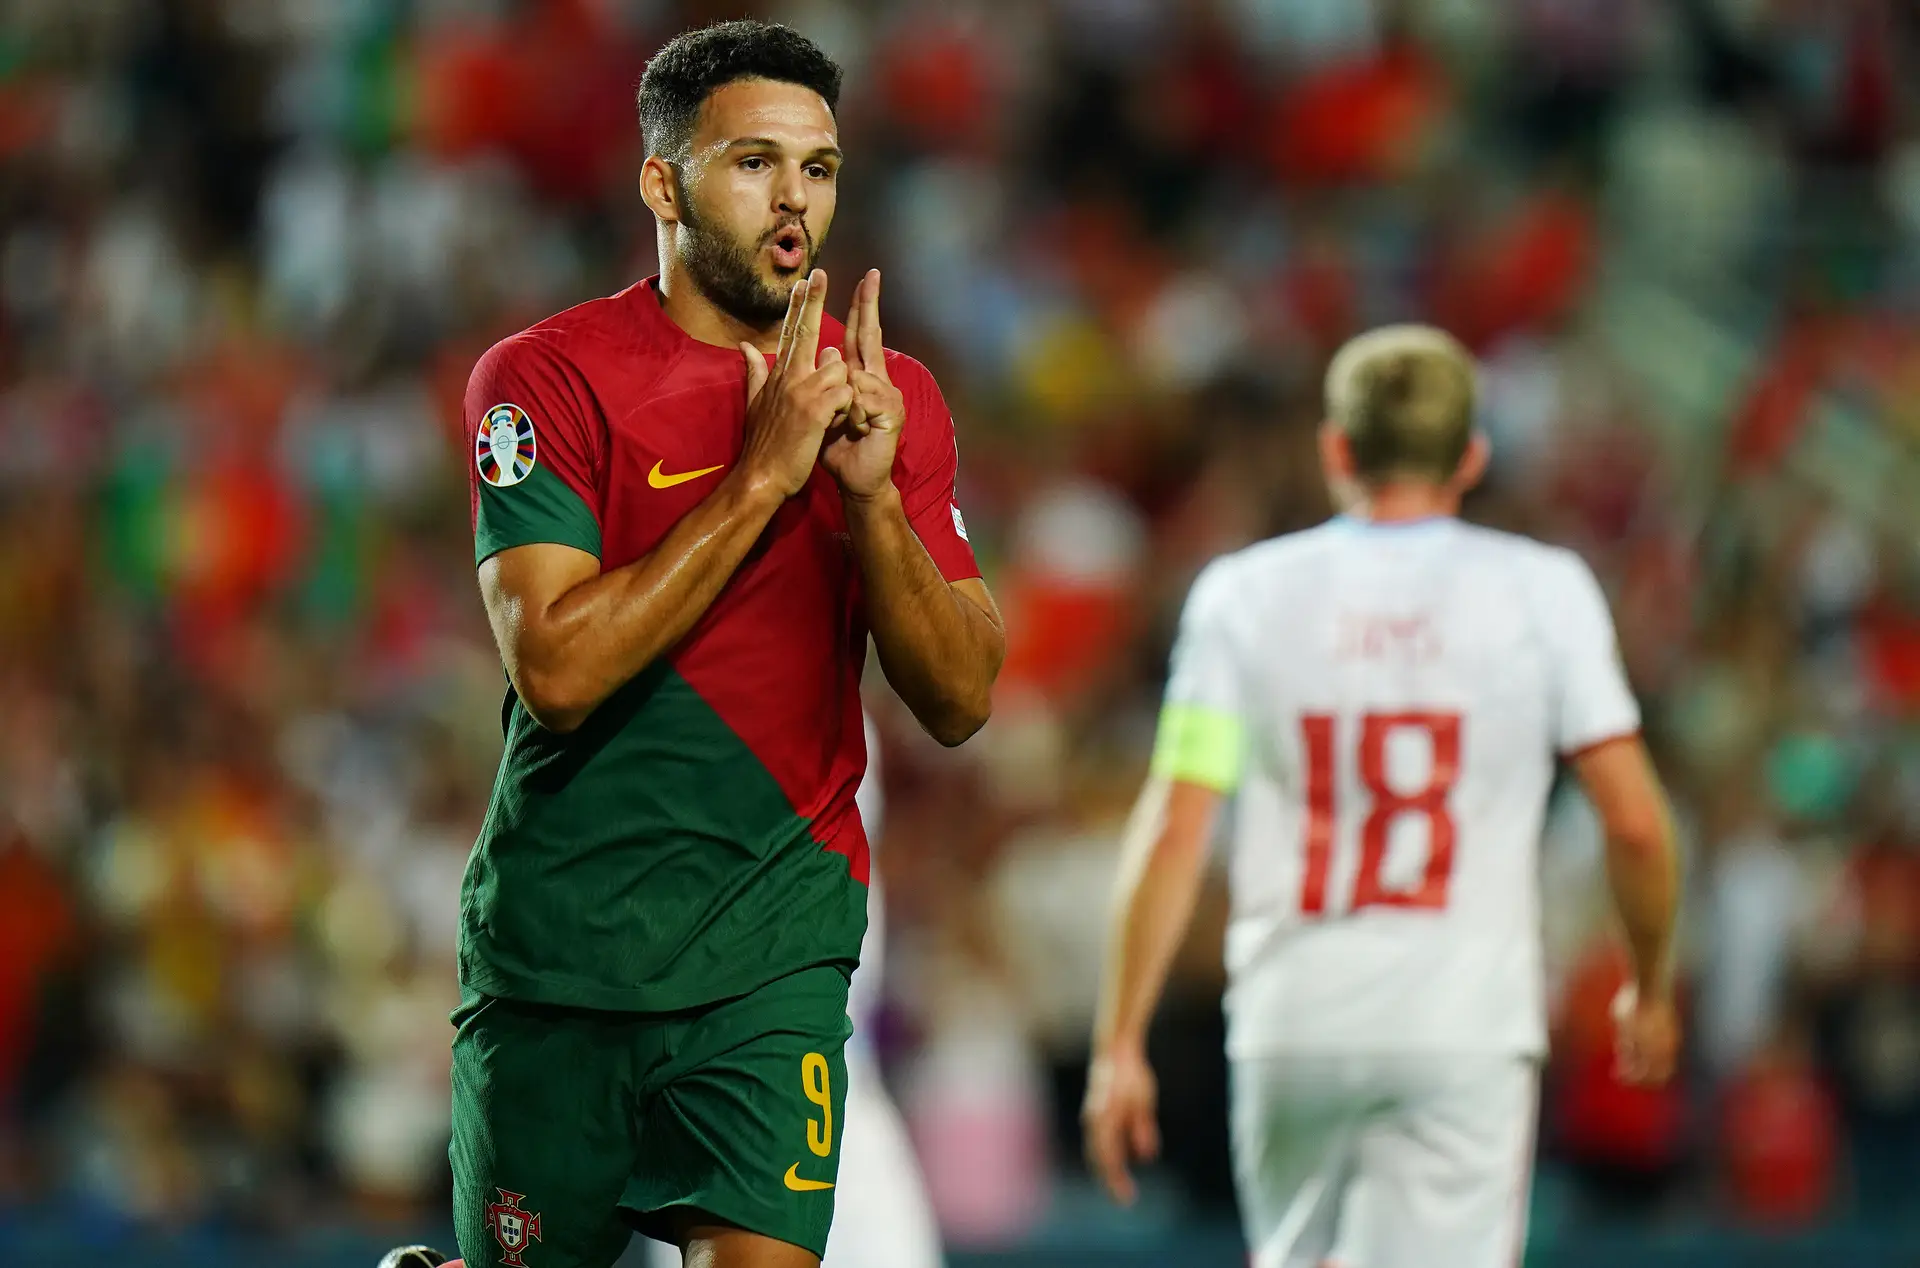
x: 1387, y: 804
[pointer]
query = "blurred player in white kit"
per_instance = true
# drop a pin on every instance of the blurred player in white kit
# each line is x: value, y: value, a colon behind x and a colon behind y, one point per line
x: 881, y: 1216
x: 1384, y: 698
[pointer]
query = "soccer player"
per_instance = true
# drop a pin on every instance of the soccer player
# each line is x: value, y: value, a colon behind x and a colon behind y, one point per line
x: 1385, y: 696
x: 683, y: 547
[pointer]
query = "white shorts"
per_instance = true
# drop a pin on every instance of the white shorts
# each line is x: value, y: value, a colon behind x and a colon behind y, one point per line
x: 881, y: 1216
x: 1384, y: 1161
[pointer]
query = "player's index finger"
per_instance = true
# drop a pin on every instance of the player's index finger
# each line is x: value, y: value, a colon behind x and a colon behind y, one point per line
x: 873, y: 351
x: 851, y: 342
x: 806, y: 339
x: 789, y: 327
x: 1110, y: 1164
x: 1102, y: 1155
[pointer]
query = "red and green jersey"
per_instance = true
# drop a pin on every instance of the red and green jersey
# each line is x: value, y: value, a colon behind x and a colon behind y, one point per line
x: 696, y: 837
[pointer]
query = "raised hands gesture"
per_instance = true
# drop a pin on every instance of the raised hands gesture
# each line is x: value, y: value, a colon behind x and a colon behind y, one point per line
x: 860, y: 447
x: 791, y: 405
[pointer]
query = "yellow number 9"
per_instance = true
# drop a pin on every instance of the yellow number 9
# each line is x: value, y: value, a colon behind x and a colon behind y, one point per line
x: 813, y: 1077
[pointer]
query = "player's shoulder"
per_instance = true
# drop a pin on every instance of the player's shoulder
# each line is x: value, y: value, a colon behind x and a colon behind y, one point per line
x: 929, y: 438
x: 1230, y: 584
x: 913, y: 378
x: 1274, y: 558
x: 1542, y: 563
x: 903, y: 368
x: 578, y: 336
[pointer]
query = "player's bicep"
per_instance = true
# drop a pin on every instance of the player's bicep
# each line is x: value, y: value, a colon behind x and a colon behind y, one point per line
x: 1187, y: 818
x: 1619, y: 780
x: 520, y: 587
x: 1191, y: 810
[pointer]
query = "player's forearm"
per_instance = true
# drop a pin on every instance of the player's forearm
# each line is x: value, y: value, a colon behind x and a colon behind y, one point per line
x: 1642, y: 867
x: 597, y: 636
x: 1644, y: 876
x: 940, y: 649
x: 1162, y: 861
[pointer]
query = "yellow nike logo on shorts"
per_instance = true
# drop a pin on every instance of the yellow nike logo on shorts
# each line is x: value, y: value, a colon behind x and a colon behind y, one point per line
x: 660, y: 480
x: 798, y: 1185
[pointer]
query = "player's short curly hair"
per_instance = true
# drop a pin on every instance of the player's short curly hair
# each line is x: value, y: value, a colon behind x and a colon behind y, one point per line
x: 693, y: 64
x: 1404, y: 396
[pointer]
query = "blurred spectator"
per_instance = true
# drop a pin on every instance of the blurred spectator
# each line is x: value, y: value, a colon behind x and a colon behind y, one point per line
x: 1778, y: 1129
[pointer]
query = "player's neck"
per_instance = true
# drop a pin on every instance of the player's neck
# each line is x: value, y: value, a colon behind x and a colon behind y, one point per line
x: 705, y: 320
x: 1403, y: 501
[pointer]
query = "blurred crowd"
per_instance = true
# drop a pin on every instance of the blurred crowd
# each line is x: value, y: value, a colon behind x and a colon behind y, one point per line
x: 248, y: 704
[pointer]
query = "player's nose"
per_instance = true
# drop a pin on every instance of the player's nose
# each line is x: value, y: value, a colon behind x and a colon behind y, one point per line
x: 790, y: 191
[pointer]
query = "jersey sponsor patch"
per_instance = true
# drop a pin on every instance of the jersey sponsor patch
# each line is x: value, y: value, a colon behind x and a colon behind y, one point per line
x: 960, y: 525
x: 504, y: 448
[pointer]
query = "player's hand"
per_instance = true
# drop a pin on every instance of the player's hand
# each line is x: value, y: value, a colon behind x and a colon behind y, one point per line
x: 791, y: 405
x: 1646, y: 1037
x: 861, y: 447
x: 1120, y: 1118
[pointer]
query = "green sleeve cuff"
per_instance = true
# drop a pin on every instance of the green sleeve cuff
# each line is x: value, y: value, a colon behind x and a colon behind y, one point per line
x: 540, y: 508
x: 1199, y: 745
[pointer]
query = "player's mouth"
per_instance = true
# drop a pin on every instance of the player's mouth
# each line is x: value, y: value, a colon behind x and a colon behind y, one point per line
x: 789, y: 247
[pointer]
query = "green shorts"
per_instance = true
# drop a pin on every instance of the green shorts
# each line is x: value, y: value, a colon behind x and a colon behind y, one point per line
x: 572, y: 1127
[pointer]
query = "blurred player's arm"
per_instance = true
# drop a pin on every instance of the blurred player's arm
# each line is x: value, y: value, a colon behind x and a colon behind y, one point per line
x: 1598, y: 723
x: 1644, y: 874
x: 571, y: 635
x: 1162, y: 862
x: 1197, y: 756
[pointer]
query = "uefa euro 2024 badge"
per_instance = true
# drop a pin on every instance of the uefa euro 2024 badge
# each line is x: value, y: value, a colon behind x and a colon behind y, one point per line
x: 503, y: 448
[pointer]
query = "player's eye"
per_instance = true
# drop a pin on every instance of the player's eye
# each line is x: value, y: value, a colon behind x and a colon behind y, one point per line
x: 754, y: 163
x: 819, y: 172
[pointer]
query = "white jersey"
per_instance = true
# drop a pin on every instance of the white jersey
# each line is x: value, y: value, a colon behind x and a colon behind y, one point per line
x: 1402, y: 692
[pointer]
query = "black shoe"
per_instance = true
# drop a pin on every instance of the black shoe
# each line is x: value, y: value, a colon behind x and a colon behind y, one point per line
x: 413, y: 1257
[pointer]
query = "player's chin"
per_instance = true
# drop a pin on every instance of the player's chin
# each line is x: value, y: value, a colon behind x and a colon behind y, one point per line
x: 779, y: 281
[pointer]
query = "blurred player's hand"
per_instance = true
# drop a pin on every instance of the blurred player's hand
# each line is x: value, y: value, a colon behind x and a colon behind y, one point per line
x: 1646, y: 1037
x: 860, y: 448
x: 791, y: 405
x: 1120, y: 1118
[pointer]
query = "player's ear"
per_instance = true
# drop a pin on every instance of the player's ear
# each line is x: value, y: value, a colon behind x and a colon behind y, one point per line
x: 1336, y: 455
x: 660, y: 189
x: 1473, y: 463
x: 1336, y: 463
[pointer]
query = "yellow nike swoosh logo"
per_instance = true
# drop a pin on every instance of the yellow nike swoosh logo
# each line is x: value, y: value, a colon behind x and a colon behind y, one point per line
x: 798, y: 1185
x: 660, y: 480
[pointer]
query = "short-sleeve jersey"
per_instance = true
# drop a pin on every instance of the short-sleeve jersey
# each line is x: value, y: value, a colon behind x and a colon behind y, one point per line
x: 696, y: 836
x: 1388, y: 702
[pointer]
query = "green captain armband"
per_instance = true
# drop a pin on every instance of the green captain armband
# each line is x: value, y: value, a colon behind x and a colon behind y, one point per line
x: 1199, y: 745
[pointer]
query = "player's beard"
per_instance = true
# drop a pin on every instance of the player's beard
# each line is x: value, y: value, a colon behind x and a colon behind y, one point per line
x: 727, y: 270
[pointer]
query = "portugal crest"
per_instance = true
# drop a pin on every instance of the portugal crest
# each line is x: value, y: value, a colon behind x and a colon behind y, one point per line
x: 513, y: 1227
x: 503, y: 449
